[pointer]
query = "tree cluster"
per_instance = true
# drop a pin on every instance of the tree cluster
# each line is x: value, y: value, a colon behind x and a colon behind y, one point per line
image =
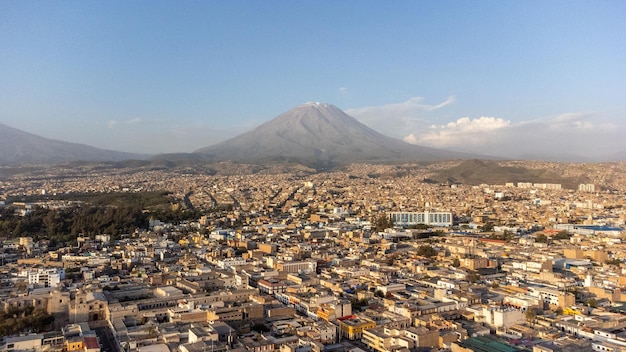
x: 16, y: 321
x: 63, y: 225
x: 563, y: 235
x: 426, y: 251
x: 382, y: 222
x: 108, y: 214
x: 358, y: 304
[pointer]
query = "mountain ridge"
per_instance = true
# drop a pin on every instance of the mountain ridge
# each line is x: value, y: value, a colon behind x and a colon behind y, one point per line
x: 321, y: 134
x: 20, y: 147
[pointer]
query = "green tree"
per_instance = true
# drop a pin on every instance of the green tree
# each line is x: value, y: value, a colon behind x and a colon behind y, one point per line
x: 456, y: 262
x: 592, y: 302
x: 357, y: 304
x: 473, y: 277
x: 541, y: 238
x: 613, y: 261
x: 488, y: 227
x: 563, y: 235
x: 382, y: 222
x: 426, y: 251
x: 419, y: 227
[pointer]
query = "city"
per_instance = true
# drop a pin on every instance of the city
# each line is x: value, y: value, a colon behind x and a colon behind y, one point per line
x: 312, y: 176
x: 364, y: 258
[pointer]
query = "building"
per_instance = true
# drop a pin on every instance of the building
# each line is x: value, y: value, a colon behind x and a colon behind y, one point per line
x: 426, y: 218
x: 381, y: 339
x: 352, y: 327
x: 46, y: 277
x: 23, y: 343
x: 296, y: 267
x: 588, y: 187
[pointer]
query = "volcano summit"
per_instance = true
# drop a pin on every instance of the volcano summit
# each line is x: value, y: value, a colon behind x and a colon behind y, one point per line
x: 320, y: 135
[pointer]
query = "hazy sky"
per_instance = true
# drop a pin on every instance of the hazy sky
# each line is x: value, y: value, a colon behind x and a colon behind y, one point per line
x: 517, y: 77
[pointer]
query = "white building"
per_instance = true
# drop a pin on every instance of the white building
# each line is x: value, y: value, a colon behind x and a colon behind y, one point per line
x: 228, y: 263
x: 498, y: 317
x: 588, y: 187
x: 46, y: 277
x: 427, y: 218
x: 23, y: 343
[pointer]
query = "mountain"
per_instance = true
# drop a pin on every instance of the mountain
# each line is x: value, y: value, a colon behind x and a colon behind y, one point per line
x: 19, y: 147
x: 476, y: 172
x: 320, y: 135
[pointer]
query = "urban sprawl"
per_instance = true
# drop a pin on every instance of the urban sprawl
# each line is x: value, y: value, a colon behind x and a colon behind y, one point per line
x: 354, y: 260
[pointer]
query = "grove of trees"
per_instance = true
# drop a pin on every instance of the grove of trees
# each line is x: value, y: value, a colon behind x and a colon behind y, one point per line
x: 15, y: 321
x: 107, y: 214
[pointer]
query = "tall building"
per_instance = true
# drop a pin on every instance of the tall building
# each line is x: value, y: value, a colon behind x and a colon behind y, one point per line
x: 587, y: 187
x: 46, y: 277
x: 427, y: 218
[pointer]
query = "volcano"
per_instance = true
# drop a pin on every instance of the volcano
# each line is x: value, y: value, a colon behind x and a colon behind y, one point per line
x: 318, y: 134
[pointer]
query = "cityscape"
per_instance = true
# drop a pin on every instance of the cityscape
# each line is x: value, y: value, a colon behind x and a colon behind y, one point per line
x: 365, y: 258
x: 312, y: 176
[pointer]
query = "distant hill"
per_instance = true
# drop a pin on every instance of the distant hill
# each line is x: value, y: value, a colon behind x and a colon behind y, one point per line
x: 320, y: 136
x: 19, y: 147
x: 475, y: 172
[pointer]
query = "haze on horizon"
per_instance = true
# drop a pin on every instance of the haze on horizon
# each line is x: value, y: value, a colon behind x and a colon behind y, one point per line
x: 514, y: 79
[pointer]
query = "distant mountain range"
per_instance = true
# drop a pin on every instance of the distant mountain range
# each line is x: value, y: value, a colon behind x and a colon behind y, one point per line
x: 476, y: 172
x: 321, y: 136
x: 19, y: 147
x: 313, y: 135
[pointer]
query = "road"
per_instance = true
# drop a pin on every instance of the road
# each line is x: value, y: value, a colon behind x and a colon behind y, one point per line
x: 107, y: 341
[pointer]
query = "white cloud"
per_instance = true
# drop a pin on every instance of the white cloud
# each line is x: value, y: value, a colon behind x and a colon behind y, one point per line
x: 133, y: 121
x: 565, y: 135
x: 410, y: 107
x: 136, y: 120
x: 410, y: 138
x: 395, y: 119
x: 461, y: 131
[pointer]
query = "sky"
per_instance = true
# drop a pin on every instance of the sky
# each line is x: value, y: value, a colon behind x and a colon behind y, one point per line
x: 513, y: 78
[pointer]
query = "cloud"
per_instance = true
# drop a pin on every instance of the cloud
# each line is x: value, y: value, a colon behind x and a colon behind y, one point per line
x: 568, y: 135
x: 133, y: 121
x: 410, y: 139
x: 136, y: 120
x: 575, y: 120
x: 343, y: 90
x: 410, y: 107
x: 463, y: 130
x: 395, y: 118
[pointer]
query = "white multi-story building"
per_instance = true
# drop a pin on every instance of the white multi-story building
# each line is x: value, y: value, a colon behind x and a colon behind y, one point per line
x: 587, y: 187
x: 46, y: 277
x: 498, y: 317
x: 427, y: 218
x: 228, y: 263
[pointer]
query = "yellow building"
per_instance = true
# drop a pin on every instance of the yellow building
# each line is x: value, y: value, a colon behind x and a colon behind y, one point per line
x: 352, y: 327
x: 74, y: 344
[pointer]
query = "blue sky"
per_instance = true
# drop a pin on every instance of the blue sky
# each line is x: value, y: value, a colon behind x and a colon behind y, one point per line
x: 519, y: 77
